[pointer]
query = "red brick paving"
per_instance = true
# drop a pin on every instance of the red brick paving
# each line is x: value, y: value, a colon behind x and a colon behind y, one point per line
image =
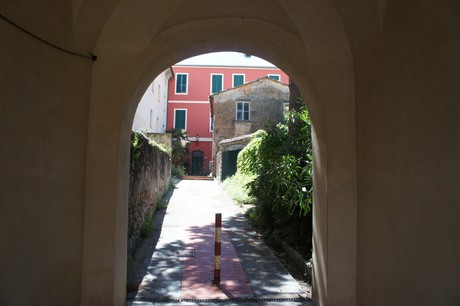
x: 198, y: 271
x: 188, y: 225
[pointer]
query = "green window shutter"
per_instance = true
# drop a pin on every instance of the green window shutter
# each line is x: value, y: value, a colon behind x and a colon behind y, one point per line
x: 274, y: 76
x: 216, y: 85
x: 181, y: 83
x: 179, y: 122
x: 238, y: 79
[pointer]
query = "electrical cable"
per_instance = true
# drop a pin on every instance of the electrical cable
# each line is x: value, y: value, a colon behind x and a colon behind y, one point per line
x: 90, y: 56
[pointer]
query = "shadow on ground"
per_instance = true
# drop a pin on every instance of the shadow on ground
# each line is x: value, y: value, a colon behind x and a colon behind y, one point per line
x: 175, y: 269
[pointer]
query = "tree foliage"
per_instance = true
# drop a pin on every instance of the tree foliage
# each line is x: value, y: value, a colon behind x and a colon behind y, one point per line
x: 179, y: 146
x: 281, y: 161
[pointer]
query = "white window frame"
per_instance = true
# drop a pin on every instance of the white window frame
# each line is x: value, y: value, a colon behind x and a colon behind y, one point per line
x: 210, y: 82
x: 277, y: 75
x: 233, y: 78
x: 249, y: 110
x: 174, y: 123
x: 186, y: 85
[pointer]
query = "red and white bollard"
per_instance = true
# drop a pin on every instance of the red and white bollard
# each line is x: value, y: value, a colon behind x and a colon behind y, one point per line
x: 217, y: 249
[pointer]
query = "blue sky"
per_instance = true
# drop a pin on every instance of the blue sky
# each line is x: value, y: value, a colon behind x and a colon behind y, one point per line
x: 227, y: 59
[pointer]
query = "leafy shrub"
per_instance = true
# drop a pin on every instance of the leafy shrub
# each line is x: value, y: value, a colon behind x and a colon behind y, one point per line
x: 237, y: 188
x: 147, y: 228
x: 251, y: 216
x: 177, y: 170
x: 135, y: 148
x: 249, y: 158
x: 280, y: 160
x: 179, y: 146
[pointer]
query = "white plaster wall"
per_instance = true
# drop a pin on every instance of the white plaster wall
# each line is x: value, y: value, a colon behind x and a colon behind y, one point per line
x: 43, y: 141
x: 408, y: 167
x: 155, y: 99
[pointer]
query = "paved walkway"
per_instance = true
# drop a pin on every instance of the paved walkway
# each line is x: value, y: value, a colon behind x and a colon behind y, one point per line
x: 180, y: 270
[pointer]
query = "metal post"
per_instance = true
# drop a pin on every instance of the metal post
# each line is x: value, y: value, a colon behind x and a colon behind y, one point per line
x: 217, y: 249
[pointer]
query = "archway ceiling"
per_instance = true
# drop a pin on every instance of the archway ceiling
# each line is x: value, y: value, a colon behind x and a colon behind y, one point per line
x: 79, y: 24
x: 141, y: 38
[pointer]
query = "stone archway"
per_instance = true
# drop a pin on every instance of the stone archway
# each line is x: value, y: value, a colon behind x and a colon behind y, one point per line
x: 381, y: 81
x: 131, y: 54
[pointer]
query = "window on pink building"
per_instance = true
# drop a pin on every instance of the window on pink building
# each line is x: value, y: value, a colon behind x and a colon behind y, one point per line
x: 180, y: 119
x: 217, y: 82
x: 238, y: 79
x: 181, y: 83
x: 275, y: 77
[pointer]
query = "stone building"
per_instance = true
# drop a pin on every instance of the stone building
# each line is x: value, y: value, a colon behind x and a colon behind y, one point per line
x: 240, y: 111
x: 188, y: 103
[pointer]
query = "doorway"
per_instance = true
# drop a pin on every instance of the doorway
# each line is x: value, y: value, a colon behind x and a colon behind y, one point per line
x: 197, y: 163
x: 229, y: 161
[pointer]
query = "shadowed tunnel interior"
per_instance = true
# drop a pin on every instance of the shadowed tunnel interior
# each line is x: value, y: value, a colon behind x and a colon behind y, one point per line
x: 381, y: 81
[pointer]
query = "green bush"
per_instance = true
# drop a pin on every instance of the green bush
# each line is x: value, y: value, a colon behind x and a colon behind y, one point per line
x: 237, y: 188
x: 251, y: 216
x: 179, y: 146
x: 177, y: 171
x: 280, y: 161
x: 248, y: 159
x: 147, y: 228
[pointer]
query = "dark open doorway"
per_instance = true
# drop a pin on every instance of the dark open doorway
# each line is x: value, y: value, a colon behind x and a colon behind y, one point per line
x: 197, y: 163
x: 229, y: 159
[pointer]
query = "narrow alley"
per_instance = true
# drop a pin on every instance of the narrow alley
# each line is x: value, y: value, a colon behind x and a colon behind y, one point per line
x: 181, y: 269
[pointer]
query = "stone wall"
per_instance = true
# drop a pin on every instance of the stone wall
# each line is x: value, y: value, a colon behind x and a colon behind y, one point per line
x: 163, y: 138
x: 266, y: 97
x: 233, y: 144
x: 150, y: 173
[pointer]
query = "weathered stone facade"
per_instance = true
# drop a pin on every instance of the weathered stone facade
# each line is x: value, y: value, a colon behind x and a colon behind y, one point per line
x: 150, y: 173
x: 227, y: 154
x: 267, y: 99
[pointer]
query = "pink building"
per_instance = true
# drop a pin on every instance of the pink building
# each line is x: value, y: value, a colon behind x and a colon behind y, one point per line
x: 188, y: 103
